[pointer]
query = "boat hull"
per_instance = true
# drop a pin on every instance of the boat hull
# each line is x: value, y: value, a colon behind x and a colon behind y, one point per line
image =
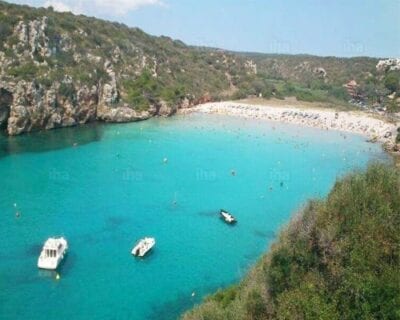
x: 227, y: 217
x: 52, y: 263
x: 143, y: 247
x: 48, y: 264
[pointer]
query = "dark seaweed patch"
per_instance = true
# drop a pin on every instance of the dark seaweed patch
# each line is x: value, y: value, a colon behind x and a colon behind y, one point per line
x: 115, y: 222
x: 267, y: 234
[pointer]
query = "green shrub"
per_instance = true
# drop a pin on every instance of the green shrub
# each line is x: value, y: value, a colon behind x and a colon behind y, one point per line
x: 25, y: 71
x: 142, y: 91
x: 392, y: 81
x: 240, y: 94
x: 7, y: 23
x: 289, y: 89
x: 255, y: 305
x: 225, y: 297
x: 339, y: 93
x: 305, y: 96
x: 67, y: 90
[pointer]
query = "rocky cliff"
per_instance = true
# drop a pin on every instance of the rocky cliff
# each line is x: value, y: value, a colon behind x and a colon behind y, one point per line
x: 58, y: 70
x: 47, y: 81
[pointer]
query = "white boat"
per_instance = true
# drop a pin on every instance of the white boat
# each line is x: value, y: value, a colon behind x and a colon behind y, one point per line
x: 227, y: 216
x: 53, y: 252
x: 143, y: 246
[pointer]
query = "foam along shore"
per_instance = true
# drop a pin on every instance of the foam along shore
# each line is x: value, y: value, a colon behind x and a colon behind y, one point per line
x: 348, y: 121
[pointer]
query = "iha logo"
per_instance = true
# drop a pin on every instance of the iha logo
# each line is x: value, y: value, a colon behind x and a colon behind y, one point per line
x: 279, y: 46
x: 132, y: 175
x: 206, y: 175
x: 279, y: 175
x: 353, y: 47
x: 55, y: 174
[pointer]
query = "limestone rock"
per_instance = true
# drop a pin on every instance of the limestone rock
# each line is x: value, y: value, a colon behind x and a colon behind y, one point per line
x: 388, y: 65
x: 34, y: 107
x: 164, y: 110
x: 88, y: 100
x: 320, y: 72
x: 121, y: 114
x: 32, y: 35
x: 251, y: 67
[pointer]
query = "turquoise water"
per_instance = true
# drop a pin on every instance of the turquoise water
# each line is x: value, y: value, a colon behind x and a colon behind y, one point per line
x: 113, y: 188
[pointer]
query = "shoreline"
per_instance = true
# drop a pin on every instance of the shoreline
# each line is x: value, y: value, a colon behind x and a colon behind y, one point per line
x: 375, y: 130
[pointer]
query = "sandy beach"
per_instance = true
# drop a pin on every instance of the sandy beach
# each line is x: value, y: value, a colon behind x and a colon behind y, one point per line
x: 326, y: 119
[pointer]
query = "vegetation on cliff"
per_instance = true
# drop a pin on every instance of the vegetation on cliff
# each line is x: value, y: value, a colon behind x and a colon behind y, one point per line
x: 337, y: 259
x: 53, y: 64
x: 79, y: 46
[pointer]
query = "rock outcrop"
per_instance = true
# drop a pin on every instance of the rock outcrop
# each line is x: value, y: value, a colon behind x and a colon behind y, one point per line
x: 34, y: 107
x: 32, y: 38
x: 109, y: 108
x: 121, y: 114
x: 388, y: 65
x: 320, y: 72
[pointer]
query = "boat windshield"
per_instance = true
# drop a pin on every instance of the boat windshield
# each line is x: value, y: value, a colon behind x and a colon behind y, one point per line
x: 51, y: 253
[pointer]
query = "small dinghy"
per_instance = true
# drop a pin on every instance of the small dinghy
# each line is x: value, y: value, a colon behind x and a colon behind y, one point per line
x: 143, y: 247
x: 53, y: 251
x: 228, y: 218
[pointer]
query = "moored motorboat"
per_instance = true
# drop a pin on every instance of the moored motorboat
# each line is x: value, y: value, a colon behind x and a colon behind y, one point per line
x: 228, y: 218
x: 143, y: 246
x: 53, y: 251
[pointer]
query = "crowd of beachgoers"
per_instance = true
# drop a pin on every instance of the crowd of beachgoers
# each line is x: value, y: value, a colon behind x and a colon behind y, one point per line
x: 328, y: 119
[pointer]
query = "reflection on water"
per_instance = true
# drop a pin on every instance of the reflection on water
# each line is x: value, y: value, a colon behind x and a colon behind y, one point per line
x: 48, y: 140
x: 112, y: 223
x: 48, y: 274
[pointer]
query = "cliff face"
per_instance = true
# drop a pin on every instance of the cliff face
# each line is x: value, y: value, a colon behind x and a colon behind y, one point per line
x: 28, y: 102
x: 27, y: 106
x: 33, y: 107
x: 58, y: 70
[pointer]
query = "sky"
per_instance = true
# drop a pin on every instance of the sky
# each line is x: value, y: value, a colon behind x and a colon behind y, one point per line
x: 327, y: 28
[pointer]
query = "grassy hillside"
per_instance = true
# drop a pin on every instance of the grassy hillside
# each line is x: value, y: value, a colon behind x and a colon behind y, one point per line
x: 46, y: 46
x: 337, y: 259
x: 146, y: 67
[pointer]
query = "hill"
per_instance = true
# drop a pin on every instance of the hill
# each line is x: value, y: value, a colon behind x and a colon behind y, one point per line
x: 60, y: 69
x: 337, y: 259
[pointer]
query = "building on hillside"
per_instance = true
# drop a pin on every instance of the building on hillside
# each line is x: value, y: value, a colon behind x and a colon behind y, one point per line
x: 353, y: 90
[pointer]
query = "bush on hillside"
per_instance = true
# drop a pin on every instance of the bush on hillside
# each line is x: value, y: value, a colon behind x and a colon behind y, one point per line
x: 25, y: 71
x: 67, y: 90
x: 338, y: 259
x: 392, y: 81
x: 339, y: 93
